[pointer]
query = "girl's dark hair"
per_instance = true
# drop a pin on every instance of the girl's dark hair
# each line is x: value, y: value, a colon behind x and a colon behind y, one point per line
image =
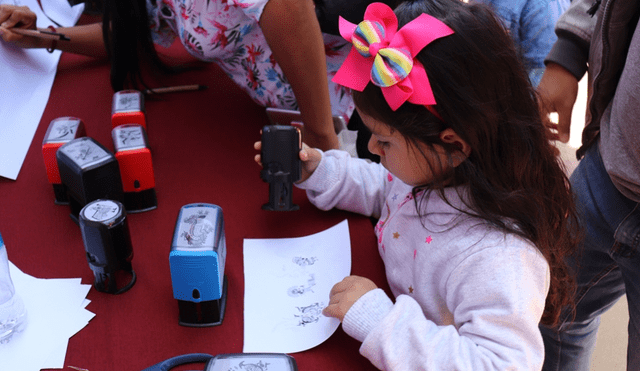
x: 127, y: 37
x: 515, y: 180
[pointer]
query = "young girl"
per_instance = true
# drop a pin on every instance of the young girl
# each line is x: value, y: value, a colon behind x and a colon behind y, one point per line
x: 476, y: 214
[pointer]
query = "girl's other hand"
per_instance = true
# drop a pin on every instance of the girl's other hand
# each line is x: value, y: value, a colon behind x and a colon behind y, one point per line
x: 310, y: 159
x: 345, y: 293
x: 12, y: 16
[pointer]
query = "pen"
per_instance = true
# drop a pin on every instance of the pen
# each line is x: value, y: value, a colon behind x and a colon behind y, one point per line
x: 48, y: 35
x: 175, y: 89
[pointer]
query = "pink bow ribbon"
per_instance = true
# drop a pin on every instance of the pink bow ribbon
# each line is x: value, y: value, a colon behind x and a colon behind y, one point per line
x: 386, y: 56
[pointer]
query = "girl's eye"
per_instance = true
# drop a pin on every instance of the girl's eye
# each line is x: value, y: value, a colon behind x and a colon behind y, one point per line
x: 383, y: 144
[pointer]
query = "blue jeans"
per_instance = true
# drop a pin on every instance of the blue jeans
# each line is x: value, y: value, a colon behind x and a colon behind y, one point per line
x: 607, y: 267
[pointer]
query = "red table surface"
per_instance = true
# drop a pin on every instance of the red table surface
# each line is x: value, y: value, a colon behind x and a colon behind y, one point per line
x: 202, y: 146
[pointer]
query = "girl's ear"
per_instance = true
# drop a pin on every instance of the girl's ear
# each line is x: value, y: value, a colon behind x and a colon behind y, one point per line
x: 451, y: 137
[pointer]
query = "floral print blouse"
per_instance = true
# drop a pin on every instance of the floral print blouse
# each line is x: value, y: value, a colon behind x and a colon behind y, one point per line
x: 227, y: 32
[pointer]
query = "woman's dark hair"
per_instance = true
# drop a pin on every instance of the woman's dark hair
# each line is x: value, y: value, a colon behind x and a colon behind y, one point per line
x: 127, y: 37
x: 515, y: 180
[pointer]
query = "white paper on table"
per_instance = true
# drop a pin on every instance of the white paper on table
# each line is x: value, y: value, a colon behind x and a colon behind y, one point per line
x: 58, y: 354
x: 55, y: 312
x: 26, y: 78
x: 287, y: 284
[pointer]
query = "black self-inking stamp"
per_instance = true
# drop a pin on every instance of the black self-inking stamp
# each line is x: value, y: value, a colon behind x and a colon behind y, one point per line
x: 197, y: 258
x: 136, y: 168
x: 59, y: 132
x: 89, y: 172
x: 107, y: 243
x: 281, y: 166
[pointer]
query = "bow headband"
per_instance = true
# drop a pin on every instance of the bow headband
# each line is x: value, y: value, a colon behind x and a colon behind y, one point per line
x: 385, y: 55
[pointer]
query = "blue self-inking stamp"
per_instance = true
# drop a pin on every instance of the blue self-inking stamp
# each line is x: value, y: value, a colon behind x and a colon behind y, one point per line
x: 197, y: 258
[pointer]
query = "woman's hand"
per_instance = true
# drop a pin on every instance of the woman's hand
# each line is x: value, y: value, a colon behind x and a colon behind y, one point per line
x: 12, y: 16
x: 345, y: 293
x: 310, y: 159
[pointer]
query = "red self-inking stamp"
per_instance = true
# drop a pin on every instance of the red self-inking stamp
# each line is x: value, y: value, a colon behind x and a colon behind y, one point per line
x: 60, y: 131
x: 136, y: 169
x: 128, y: 108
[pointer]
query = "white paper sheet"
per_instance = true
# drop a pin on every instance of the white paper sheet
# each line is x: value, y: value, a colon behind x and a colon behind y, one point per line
x: 55, y: 312
x: 287, y: 284
x: 26, y: 77
x: 59, y: 353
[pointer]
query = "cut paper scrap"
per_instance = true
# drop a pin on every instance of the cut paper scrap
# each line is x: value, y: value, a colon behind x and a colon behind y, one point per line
x: 287, y: 284
x: 55, y: 312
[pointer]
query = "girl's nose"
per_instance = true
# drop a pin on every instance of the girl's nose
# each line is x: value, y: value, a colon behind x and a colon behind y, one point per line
x: 372, y: 146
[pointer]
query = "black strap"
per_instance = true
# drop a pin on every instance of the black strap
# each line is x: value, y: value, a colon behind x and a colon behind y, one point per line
x: 179, y: 360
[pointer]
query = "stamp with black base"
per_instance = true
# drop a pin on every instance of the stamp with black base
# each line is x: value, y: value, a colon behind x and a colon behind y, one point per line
x: 107, y: 243
x: 136, y: 167
x: 60, y: 131
x: 128, y: 108
x: 89, y: 172
x: 197, y: 261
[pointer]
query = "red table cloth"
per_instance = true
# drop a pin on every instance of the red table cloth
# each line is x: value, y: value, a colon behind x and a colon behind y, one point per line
x: 202, y: 147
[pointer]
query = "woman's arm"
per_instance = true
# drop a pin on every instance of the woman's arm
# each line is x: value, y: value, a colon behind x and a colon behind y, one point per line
x: 293, y: 33
x: 86, y: 40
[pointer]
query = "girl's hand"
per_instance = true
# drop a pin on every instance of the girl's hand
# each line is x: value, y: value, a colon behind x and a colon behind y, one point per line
x: 310, y: 159
x: 12, y: 16
x: 345, y: 293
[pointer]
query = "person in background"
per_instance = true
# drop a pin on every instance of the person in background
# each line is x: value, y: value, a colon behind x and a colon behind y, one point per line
x: 531, y: 25
x: 603, y: 39
x: 476, y: 214
x: 273, y: 49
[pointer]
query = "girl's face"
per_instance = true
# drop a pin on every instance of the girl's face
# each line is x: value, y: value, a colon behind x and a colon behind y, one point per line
x: 413, y: 165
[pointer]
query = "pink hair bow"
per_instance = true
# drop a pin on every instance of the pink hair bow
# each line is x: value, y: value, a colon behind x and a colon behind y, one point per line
x: 385, y: 55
